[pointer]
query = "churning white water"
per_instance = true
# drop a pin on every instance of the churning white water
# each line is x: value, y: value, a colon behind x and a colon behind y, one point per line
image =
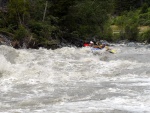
x: 75, y: 80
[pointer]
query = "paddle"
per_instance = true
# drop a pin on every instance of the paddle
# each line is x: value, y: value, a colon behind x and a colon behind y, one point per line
x: 112, y: 51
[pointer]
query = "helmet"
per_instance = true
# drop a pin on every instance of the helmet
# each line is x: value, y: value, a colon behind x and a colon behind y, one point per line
x: 91, y: 42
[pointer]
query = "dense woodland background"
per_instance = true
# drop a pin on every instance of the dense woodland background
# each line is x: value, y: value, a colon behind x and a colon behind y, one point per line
x: 50, y: 22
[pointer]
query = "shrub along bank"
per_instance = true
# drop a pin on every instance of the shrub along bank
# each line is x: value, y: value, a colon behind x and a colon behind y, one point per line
x: 133, y: 25
x: 51, y: 23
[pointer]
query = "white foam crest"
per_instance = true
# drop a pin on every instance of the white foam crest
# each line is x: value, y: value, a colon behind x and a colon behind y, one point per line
x: 44, y: 67
x: 4, y: 65
x: 42, y: 73
x: 110, y: 105
x: 65, y: 64
x: 4, y: 49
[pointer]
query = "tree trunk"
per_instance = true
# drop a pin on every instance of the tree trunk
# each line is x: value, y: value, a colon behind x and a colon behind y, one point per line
x: 45, y: 11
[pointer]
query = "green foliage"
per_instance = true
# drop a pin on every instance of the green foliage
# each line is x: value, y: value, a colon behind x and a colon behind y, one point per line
x: 127, y: 18
x: 144, y: 8
x: 126, y: 5
x: 37, y: 9
x: 116, y: 37
x: 24, y: 19
x: 108, y: 35
x: 18, y: 11
x: 42, y: 30
x: 131, y: 12
x: 131, y: 32
x: 120, y: 21
x: 144, y: 19
x: 21, y: 33
x: 74, y: 19
x: 89, y: 17
x: 145, y: 37
x: 128, y: 24
x: 120, y: 6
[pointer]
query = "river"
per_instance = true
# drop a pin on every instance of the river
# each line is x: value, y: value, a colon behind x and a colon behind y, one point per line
x: 75, y: 80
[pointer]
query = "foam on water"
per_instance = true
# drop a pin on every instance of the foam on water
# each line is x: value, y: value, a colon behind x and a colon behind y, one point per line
x: 75, y: 80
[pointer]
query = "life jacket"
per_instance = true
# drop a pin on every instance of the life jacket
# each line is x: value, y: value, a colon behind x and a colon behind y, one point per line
x: 86, y: 44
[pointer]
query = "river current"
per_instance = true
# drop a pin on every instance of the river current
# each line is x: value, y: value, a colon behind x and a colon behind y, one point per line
x: 75, y: 80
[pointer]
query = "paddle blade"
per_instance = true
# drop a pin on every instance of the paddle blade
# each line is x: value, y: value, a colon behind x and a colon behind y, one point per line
x: 112, y: 51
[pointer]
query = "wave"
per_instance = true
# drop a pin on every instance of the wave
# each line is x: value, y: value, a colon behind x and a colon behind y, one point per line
x: 37, y: 80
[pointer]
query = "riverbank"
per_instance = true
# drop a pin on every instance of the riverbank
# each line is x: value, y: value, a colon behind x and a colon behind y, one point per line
x: 30, y: 42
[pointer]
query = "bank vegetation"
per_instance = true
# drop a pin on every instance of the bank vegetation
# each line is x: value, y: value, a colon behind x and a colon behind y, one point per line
x: 49, y: 23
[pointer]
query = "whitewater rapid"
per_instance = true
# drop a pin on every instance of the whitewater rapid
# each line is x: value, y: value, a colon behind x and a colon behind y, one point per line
x: 75, y: 80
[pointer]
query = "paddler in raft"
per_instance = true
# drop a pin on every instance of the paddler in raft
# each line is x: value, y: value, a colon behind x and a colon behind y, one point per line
x: 97, y: 45
x: 101, y: 46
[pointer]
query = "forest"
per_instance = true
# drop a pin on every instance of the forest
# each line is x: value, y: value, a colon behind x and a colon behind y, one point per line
x: 49, y: 23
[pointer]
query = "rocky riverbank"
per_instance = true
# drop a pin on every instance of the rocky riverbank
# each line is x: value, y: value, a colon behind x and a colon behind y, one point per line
x: 28, y: 43
x: 31, y: 42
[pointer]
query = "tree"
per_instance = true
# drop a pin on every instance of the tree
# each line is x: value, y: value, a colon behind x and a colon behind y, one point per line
x: 3, y: 3
x: 18, y: 11
x: 127, y: 5
x: 84, y: 18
